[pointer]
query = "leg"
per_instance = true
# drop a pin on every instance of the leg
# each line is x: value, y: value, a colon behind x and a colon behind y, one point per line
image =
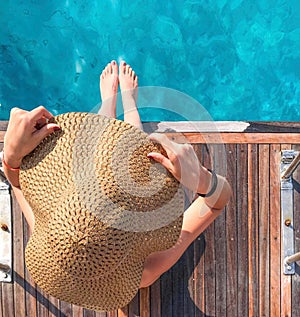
x: 195, y: 220
x: 108, y: 90
x: 129, y: 89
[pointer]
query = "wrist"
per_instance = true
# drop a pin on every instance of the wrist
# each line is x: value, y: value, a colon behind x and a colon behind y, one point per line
x: 213, y: 183
x: 205, y: 181
x: 11, y: 162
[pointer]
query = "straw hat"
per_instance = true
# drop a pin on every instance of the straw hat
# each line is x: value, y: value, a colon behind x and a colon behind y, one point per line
x: 100, y: 206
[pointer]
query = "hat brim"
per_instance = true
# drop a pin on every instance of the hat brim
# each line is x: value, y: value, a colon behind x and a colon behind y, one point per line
x: 79, y: 252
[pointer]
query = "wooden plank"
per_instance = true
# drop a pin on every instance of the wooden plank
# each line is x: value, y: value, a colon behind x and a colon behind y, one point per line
x: 296, y: 277
x: 8, y: 299
x: 42, y: 303
x: 187, y: 274
x: 2, y: 134
x: 3, y: 125
x: 242, y: 229
x: 155, y: 299
x: 18, y: 257
x: 221, y: 263
x: 133, y: 307
x: 177, y: 285
x: 199, y: 291
x: 209, y: 271
x: 209, y: 255
x: 166, y: 293
x: 253, y: 230
x: 66, y: 309
x: 54, y: 308
x: 77, y: 311
x: 275, y: 227
x: 30, y: 286
x: 231, y: 237
x: 145, y: 302
x: 286, y: 280
x: 264, y: 230
x: 199, y: 249
x: 220, y: 166
x: 234, y: 138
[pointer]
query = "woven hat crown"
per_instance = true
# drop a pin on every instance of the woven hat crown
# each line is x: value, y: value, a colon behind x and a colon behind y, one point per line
x: 100, y: 206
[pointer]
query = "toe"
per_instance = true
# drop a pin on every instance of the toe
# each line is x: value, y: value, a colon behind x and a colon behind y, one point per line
x: 114, y: 67
x: 109, y: 68
x: 123, y: 67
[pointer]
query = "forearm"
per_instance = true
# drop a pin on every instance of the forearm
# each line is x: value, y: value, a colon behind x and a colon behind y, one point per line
x: 12, y: 175
x: 26, y: 209
x: 196, y: 219
x: 11, y: 171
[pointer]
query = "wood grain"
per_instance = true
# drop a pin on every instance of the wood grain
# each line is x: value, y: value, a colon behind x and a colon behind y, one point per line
x: 253, y: 251
x: 275, y: 251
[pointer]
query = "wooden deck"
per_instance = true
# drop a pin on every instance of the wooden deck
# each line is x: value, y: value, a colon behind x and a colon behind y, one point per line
x: 234, y: 269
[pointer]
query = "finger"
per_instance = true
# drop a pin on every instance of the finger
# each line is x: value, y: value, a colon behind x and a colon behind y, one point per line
x: 16, y: 113
x: 40, y: 123
x: 47, y: 129
x: 170, y: 147
x: 158, y: 157
x: 15, y: 109
x: 39, y: 112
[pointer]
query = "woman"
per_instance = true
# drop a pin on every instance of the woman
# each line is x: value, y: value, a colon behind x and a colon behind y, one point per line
x: 27, y: 129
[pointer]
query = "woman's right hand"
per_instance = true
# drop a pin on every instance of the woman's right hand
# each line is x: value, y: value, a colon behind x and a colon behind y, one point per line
x: 26, y: 129
x: 182, y: 161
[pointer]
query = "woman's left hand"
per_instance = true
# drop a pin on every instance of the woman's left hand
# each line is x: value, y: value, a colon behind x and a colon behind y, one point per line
x: 26, y: 129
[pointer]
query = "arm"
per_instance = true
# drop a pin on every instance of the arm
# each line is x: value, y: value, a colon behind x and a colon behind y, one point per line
x: 24, y: 132
x: 26, y: 209
x: 182, y: 162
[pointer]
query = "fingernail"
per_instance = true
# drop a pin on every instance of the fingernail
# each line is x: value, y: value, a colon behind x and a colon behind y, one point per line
x: 56, y: 128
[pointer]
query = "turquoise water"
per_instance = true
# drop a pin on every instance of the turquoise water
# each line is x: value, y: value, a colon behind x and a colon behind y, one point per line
x: 239, y: 59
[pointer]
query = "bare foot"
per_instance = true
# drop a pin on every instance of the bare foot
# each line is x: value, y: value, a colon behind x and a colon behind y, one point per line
x: 108, y: 89
x: 129, y: 90
x: 128, y: 80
